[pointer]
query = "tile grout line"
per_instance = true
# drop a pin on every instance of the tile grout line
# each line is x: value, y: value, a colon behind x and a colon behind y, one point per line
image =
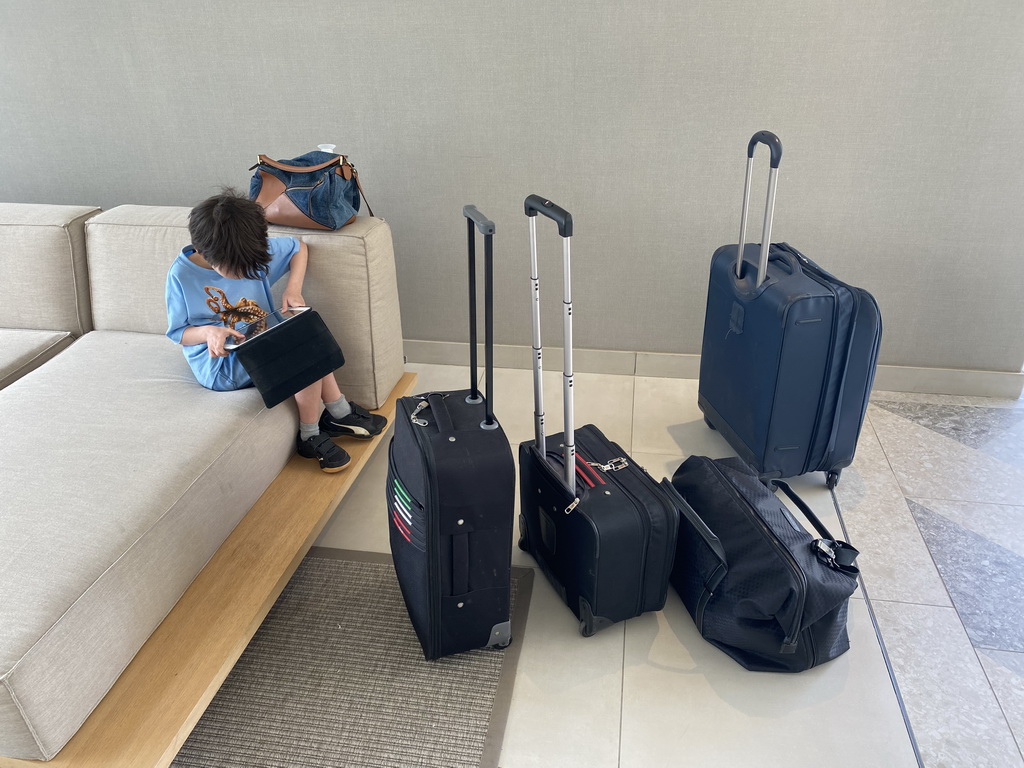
x: 920, y: 499
x: 917, y: 527
x: 995, y: 696
x: 881, y: 642
x: 952, y: 602
x: 874, y: 619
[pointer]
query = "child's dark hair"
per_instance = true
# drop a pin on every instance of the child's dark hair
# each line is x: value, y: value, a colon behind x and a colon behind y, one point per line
x: 230, y: 231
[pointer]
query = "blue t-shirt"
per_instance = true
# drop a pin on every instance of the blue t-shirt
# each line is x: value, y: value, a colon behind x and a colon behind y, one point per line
x: 200, y: 296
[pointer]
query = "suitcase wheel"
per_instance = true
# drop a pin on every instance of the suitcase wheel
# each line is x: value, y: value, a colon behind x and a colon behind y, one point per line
x: 832, y: 480
x: 710, y: 425
x: 590, y: 624
x: 524, y: 542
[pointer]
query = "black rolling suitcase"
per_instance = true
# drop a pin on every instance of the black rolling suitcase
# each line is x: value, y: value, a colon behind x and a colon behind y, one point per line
x: 451, y: 499
x: 601, y: 529
x: 789, y: 351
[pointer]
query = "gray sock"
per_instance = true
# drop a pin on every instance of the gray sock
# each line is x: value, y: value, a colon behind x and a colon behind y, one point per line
x: 307, y: 431
x: 339, y: 409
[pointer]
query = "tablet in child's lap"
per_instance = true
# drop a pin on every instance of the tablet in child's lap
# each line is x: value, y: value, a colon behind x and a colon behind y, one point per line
x: 256, y: 327
x: 289, y: 355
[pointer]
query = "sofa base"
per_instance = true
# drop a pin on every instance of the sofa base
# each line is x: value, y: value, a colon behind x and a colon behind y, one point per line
x: 156, y: 702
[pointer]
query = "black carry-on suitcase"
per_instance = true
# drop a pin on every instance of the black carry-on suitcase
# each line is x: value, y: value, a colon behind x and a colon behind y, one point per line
x: 451, y: 499
x: 601, y: 529
x: 789, y: 351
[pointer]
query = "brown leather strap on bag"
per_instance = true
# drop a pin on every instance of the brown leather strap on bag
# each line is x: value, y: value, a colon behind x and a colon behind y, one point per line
x: 264, y: 160
x: 345, y: 169
x: 355, y: 173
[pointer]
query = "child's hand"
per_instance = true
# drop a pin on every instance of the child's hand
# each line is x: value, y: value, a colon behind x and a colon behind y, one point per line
x: 291, y: 298
x: 216, y: 335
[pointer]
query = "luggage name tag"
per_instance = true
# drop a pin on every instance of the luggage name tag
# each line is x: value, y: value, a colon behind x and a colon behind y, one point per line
x: 424, y: 404
x: 613, y: 465
x: 417, y: 421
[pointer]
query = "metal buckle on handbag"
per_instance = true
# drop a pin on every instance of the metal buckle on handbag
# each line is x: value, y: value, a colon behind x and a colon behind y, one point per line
x: 612, y: 466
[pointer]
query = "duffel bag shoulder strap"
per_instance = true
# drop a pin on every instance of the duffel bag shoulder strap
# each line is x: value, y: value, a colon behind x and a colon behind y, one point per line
x: 834, y: 552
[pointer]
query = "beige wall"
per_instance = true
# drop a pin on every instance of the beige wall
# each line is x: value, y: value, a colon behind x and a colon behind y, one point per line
x: 902, y: 167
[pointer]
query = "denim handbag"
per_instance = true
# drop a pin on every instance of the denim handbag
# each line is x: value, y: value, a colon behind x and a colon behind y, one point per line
x: 317, y: 190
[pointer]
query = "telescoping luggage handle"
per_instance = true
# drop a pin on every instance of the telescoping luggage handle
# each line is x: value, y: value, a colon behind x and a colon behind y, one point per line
x: 486, y: 227
x: 772, y: 141
x: 535, y: 204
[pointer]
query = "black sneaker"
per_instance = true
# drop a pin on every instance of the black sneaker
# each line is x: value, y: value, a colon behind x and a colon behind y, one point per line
x: 319, y: 447
x: 360, y: 424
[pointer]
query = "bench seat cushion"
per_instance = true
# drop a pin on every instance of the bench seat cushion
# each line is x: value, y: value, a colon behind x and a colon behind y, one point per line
x: 22, y: 351
x: 121, y: 478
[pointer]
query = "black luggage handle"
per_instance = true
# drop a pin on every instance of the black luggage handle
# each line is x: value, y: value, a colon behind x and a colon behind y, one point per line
x: 773, y: 143
x: 770, y: 140
x: 533, y: 205
x: 486, y: 227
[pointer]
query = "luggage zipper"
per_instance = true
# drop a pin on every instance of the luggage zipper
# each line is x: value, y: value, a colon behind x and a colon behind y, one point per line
x: 813, y: 273
x: 433, y: 547
x: 424, y: 404
x: 561, y: 460
x: 790, y: 641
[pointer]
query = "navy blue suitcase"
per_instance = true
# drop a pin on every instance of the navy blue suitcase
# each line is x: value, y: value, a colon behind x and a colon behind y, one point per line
x: 451, y: 499
x: 789, y: 351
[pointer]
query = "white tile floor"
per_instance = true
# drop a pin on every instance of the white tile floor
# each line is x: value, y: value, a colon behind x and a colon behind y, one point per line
x: 650, y: 692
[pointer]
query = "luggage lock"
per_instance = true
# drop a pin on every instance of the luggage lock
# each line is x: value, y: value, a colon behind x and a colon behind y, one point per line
x: 612, y: 466
x: 415, y: 413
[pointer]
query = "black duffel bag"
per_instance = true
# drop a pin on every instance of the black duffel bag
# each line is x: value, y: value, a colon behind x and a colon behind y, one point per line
x: 756, y: 583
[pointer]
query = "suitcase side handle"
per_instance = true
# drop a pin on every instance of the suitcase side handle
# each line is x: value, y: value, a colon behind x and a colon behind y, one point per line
x: 486, y: 227
x: 533, y: 205
x: 775, y: 146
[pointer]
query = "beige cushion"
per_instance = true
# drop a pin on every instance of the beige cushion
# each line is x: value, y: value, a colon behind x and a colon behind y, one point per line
x: 350, y: 281
x: 109, y: 512
x: 22, y: 351
x: 43, y: 277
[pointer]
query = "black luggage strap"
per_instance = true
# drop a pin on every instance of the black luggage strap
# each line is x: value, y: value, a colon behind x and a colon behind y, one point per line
x: 835, y: 553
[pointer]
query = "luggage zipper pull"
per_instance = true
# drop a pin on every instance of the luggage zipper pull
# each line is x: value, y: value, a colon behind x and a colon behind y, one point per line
x: 612, y: 466
x: 571, y: 507
x: 415, y: 413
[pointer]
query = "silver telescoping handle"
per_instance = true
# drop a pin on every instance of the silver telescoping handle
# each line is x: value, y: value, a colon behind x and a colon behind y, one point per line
x: 772, y: 141
x: 535, y: 204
